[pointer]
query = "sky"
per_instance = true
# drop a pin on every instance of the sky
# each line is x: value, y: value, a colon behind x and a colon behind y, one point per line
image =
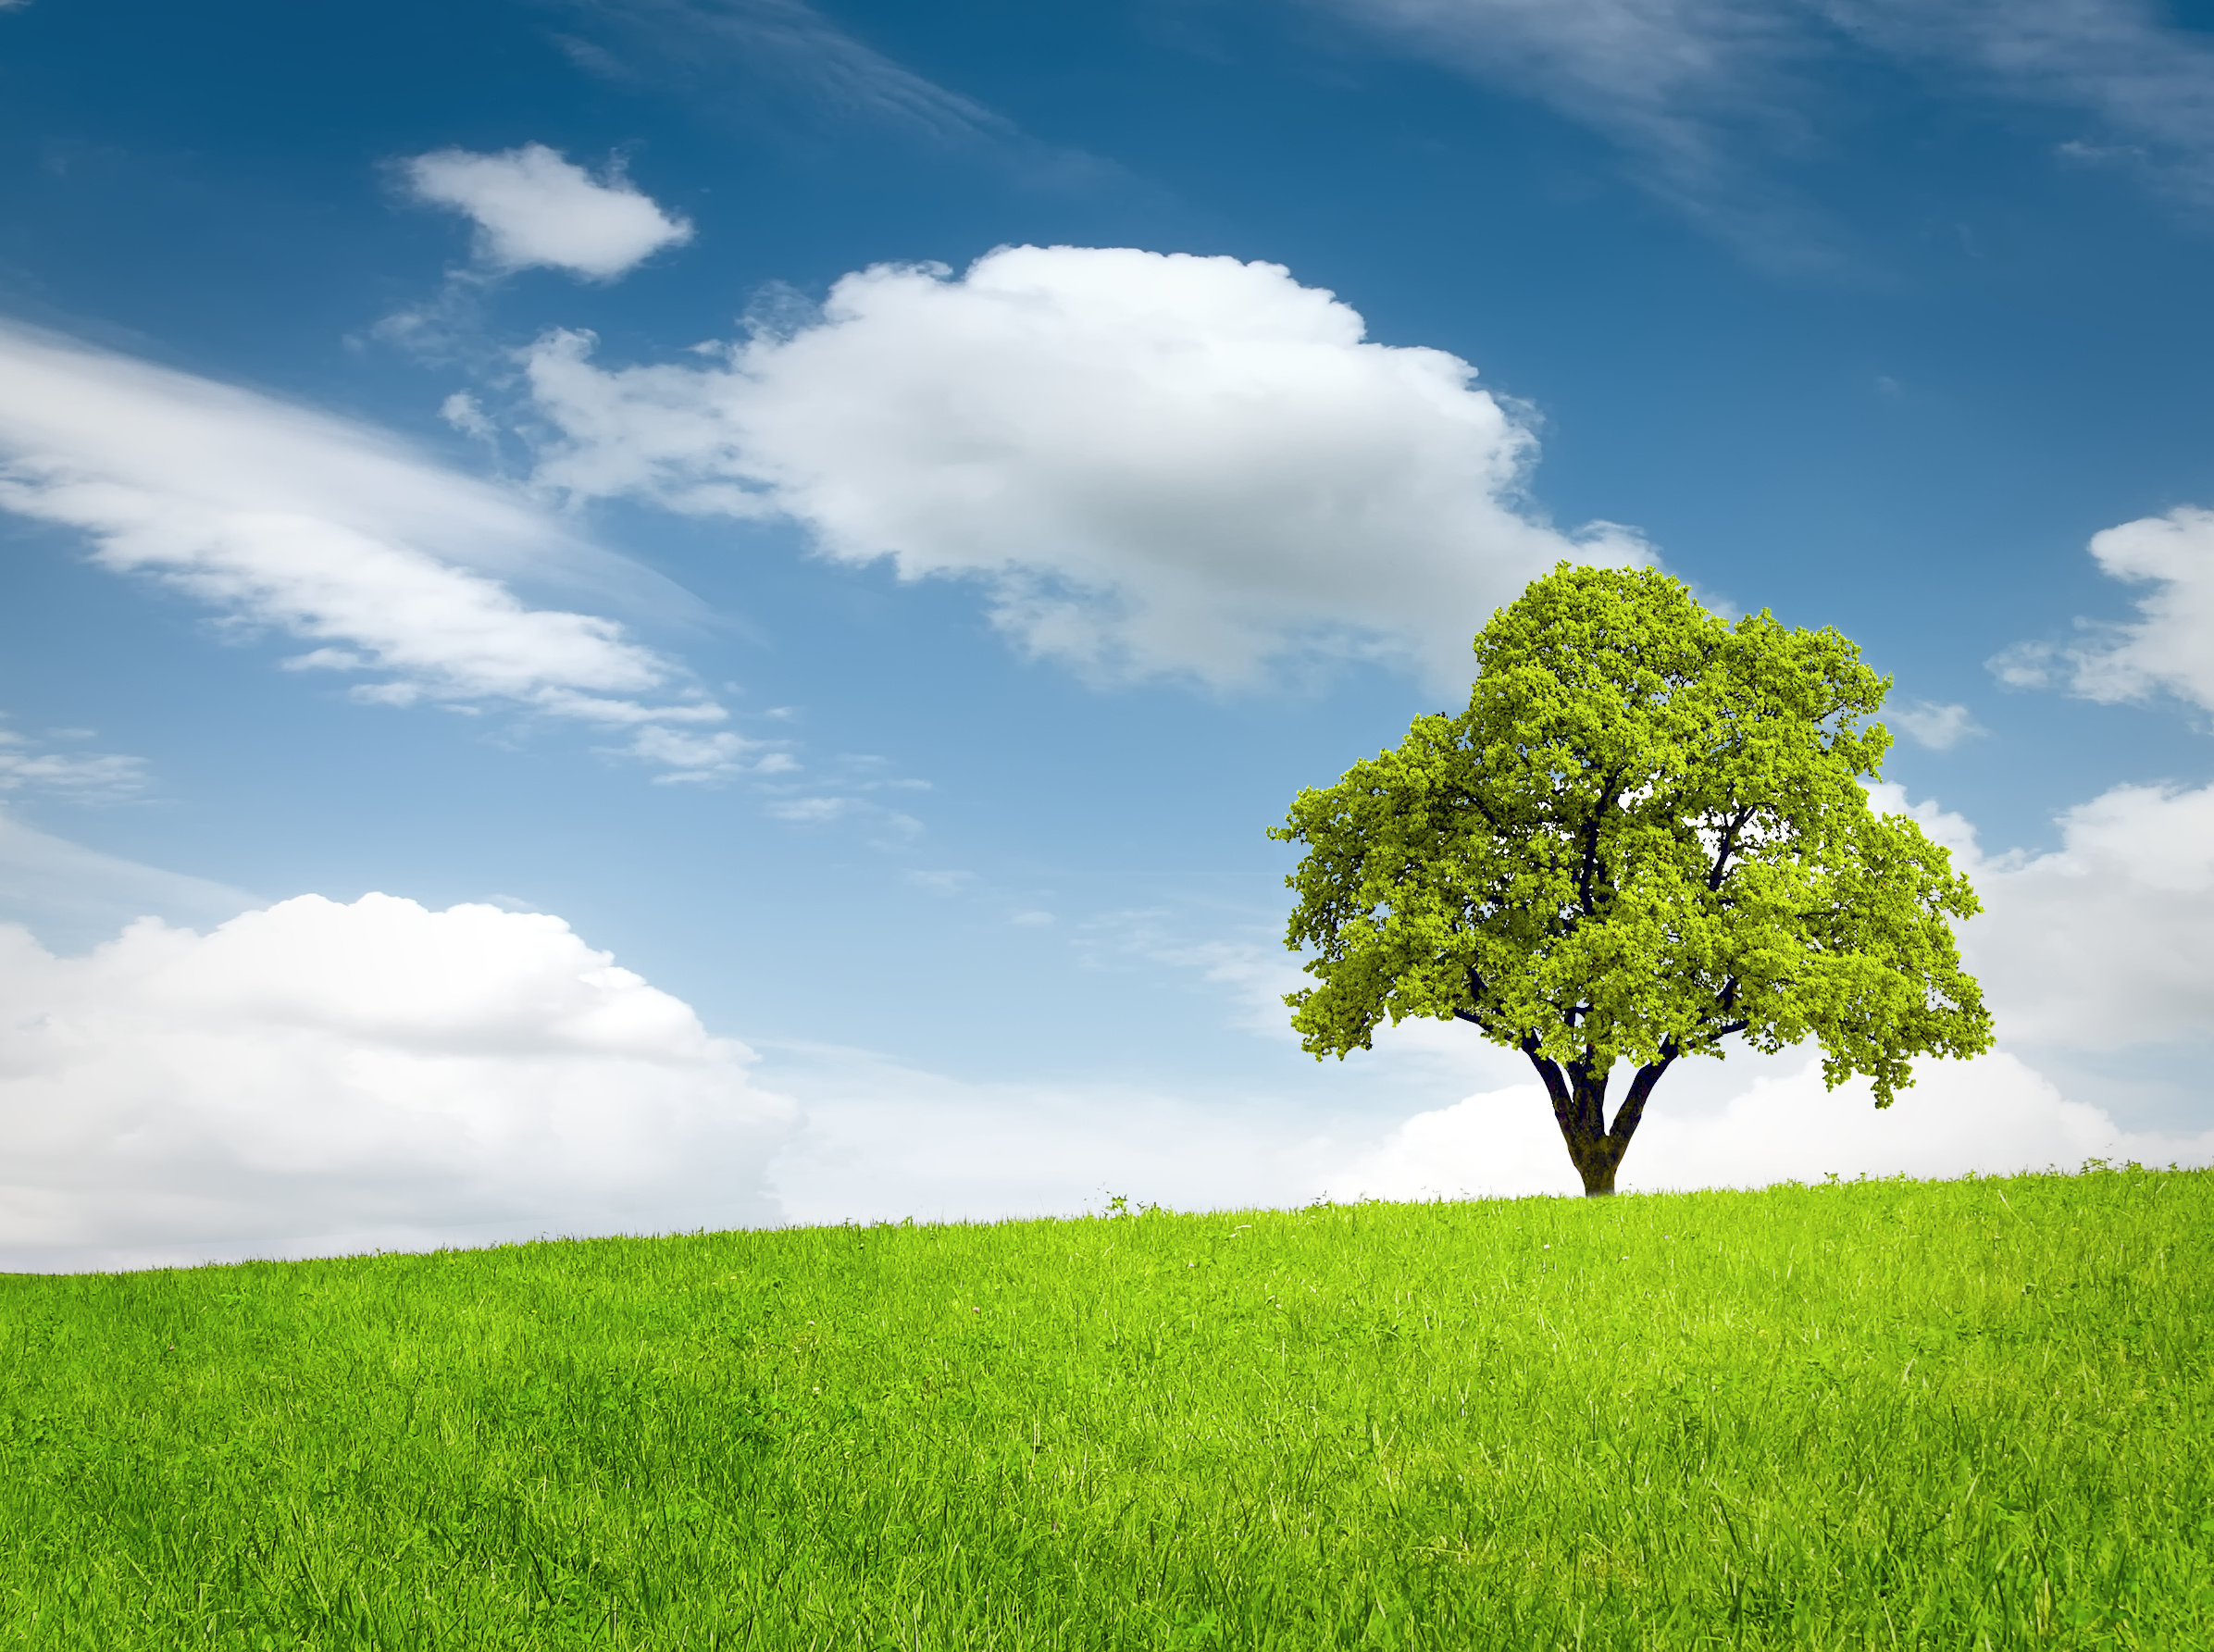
x: 628, y: 615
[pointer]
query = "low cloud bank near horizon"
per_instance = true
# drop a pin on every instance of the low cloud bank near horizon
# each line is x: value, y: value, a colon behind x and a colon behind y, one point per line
x: 1994, y: 1115
x: 880, y: 1141
x: 316, y: 1079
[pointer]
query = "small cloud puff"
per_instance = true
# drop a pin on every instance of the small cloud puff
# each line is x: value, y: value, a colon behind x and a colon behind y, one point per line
x: 534, y: 208
x: 941, y: 883
x: 83, y: 776
x: 319, y: 1078
x: 1940, y: 727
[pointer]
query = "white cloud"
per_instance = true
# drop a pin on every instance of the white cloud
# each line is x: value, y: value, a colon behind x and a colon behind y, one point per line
x: 1157, y: 464
x: 295, y: 521
x: 2171, y: 647
x: 693, y: 758
x: 2026, y: 664
x: 533, y: 207
x: 1940, y: 727
x: 316, y: 1078
x: 461, y: 411
x: 2107, y: 942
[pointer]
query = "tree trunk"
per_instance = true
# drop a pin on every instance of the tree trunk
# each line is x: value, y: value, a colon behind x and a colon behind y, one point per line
x: 1579, y: 1098
x: 1595, y: 1158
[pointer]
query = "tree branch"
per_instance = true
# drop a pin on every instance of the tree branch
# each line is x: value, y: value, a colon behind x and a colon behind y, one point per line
x: 1591, y: 842
x: 1590, y: 1095
x: 1556, y: 1083
x: 1729, y: 845
x: 1626, y: 1117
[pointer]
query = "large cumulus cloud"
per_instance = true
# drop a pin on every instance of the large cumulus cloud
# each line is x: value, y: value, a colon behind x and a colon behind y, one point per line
x: 1158, y: 463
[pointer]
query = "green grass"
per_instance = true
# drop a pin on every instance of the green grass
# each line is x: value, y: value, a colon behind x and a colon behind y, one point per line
x: 1944, y: 1415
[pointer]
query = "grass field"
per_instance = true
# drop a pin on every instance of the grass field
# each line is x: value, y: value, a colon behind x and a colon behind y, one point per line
x: 1893, y: 1415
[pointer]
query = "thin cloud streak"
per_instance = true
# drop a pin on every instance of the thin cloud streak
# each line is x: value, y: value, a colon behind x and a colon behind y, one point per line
x: 788, y: 45
x: 2118, y: 61
x: 72, y: 896
x: 784, y: 64
x: 30, y: 766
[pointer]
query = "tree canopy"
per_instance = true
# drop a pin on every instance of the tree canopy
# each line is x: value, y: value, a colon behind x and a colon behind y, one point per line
x: 1646, y: 834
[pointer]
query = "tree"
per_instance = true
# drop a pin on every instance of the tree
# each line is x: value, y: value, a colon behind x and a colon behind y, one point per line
x: 1646, y: 835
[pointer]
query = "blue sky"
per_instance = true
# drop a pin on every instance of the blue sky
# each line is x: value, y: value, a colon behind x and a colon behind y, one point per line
x: 866, y: 514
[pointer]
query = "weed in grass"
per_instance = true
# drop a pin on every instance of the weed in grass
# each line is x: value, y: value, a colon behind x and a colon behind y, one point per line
x: 1877, y: 1414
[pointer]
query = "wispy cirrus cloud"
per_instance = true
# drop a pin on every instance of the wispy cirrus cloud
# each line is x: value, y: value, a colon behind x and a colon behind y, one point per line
x: 1702, y: 96
x: 2124, y: 64
x: 785, y: 44
x: 72, y: 897
x: 47, y: 766
x: 387, y: 565
x: 1674, y: 82
x: 785, y: 64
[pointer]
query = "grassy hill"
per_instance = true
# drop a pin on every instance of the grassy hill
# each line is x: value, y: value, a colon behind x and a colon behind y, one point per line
x: 1891, y: 1414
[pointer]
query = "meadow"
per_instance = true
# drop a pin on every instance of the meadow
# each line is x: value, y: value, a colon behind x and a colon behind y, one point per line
x: 1875, y: 1414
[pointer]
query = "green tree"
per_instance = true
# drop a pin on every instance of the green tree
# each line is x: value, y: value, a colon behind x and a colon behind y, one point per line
x: 1646, y: 835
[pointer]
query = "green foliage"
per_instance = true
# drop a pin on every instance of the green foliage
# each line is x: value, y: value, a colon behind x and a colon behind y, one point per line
x: 1647, y: 833
x: 1887, y: 1414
